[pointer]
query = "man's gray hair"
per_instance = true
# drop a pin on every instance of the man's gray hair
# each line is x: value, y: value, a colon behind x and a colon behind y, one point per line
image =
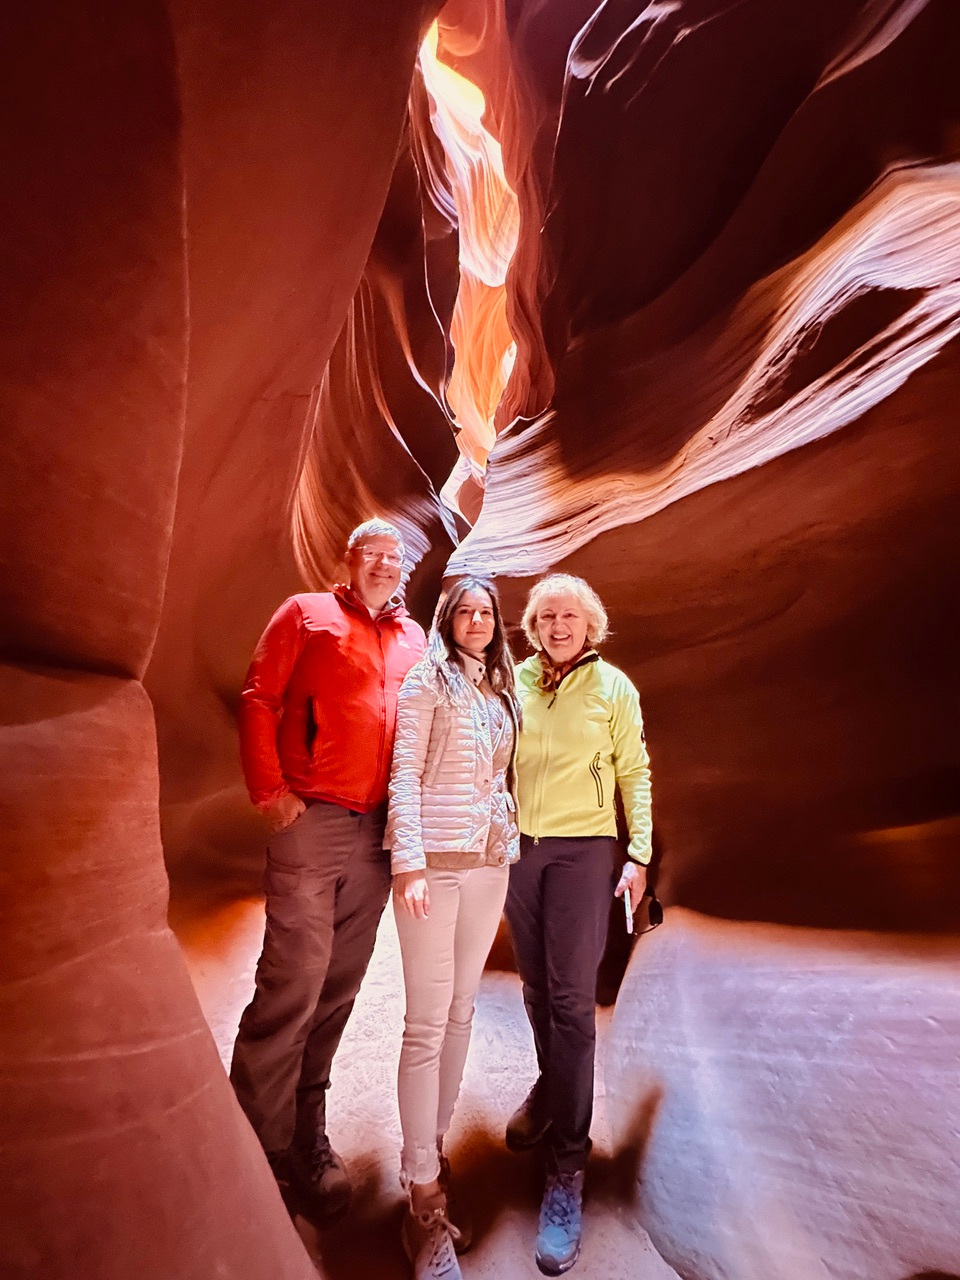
x: 375, y: 528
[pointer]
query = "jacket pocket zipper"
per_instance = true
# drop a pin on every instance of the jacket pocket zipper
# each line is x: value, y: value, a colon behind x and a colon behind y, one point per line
x: 313, y: 730
x: 595, y: 773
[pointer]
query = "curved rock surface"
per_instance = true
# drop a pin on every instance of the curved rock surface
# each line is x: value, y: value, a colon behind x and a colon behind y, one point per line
x: 736, y: 306
x: 382, y: 439
x: 184, y: 226
x: 734, y: 300
x: 791, y: 1085
x: 715, y: 283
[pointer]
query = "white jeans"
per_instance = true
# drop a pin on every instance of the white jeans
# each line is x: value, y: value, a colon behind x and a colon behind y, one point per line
x: 443, y: 958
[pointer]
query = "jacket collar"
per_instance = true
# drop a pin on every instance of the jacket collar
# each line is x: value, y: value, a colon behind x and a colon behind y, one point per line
x: 474, y: 668
x: 549, y: 678
x: 393, y: 609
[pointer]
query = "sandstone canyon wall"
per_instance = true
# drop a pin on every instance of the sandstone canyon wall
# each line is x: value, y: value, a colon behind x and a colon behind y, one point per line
x: 244, y: 260
x: 733, y: 410
x: 184, y: 224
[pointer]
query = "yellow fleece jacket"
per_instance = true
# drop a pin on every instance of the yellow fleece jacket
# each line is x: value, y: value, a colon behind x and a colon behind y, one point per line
x: 576, y: 746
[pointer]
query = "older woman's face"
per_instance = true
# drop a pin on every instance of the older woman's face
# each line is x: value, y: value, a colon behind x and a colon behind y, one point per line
x: 562, y: 626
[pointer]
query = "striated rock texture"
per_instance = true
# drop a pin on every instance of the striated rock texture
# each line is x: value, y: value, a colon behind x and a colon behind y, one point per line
x: 742, y: 236
x: 280, y: 255
x: 733, y: 409
x: 257, y: 285
x: 382, y: 441
x: 792, y: 1083
x: 184, y: 226
x: 406, y: 415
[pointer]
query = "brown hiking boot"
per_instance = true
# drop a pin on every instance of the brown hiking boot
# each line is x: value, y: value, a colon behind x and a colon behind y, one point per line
x: 319, y: 1179
x: 528, y: 1125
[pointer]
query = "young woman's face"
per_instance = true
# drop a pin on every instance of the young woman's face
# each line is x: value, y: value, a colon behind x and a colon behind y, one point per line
x: 473, y: 622
x: 562, y: 626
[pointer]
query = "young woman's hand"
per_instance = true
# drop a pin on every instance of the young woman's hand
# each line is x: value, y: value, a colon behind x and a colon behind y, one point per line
x: 632, y: 877
x: 410, y: 891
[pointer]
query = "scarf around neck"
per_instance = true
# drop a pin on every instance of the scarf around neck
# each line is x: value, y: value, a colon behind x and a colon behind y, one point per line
x: 551, y: 673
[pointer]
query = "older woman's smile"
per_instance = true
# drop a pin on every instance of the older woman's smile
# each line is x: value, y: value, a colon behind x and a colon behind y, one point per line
x: 562, y: 626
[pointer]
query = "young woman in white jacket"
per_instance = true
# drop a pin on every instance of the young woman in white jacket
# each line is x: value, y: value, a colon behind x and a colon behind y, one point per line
x: 452, y: 833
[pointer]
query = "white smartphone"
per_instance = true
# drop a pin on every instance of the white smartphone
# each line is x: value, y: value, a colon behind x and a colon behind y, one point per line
x: 628, y: 909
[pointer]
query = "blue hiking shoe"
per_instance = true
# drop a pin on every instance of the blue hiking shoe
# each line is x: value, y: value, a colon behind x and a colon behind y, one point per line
x: 561, y: 1223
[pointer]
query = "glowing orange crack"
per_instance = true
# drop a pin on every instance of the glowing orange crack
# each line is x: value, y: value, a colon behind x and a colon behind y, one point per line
x: 489, y: 223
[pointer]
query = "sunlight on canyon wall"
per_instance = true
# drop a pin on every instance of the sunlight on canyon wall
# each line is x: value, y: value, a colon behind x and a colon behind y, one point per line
x: 902, y: 240
x: 737, y: 320
x: 488, y: 221
x: 738, y: 387
x: 412, y: 363
x: 663, y: 294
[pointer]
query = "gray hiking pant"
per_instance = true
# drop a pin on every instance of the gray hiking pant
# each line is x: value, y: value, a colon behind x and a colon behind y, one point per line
x: 327, y: 882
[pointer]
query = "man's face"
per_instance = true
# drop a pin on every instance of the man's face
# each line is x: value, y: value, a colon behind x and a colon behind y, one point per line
x: 374, y: 566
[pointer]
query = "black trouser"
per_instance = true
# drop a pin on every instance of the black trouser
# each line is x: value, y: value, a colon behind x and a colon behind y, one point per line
x: 327, y: 882
x: 558, y: 906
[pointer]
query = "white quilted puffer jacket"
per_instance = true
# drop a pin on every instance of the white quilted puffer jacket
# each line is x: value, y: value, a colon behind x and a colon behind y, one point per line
x: 441, y: 780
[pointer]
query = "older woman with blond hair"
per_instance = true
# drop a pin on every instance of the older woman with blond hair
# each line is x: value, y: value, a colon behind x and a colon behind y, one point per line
x: 581, y: 741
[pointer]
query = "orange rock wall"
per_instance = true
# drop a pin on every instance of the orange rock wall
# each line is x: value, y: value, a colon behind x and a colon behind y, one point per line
x: 735, y: 305
x: 794, y: 1091
x: 383, y: 427
x: 185, y: 221
x: 735, y: 297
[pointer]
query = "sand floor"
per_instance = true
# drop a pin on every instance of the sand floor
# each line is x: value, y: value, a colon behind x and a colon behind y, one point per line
x: 504, y: 1189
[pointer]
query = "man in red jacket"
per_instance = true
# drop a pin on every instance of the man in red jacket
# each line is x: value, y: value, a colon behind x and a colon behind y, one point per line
x: 317, y: 719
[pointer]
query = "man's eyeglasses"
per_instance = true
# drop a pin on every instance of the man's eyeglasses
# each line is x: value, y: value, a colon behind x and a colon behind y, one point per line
x: 392, y: 558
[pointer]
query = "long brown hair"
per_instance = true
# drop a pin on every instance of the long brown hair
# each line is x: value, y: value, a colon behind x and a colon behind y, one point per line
x: 442, y: 652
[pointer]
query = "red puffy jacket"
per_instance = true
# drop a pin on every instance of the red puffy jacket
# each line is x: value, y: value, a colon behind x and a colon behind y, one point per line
x: 318, y: 710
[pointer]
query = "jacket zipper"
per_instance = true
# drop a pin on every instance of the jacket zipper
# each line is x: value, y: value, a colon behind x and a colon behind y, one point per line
x: 512, y: 771
x: 595, y: 774
x: 479, y: 716
x: 383, y: 697
x: 543, y: 770
x: 587, y: 658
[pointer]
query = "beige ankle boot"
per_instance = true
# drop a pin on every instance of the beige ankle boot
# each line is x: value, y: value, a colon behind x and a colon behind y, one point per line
x: 458, y: 1210
x: 428, y: 1239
